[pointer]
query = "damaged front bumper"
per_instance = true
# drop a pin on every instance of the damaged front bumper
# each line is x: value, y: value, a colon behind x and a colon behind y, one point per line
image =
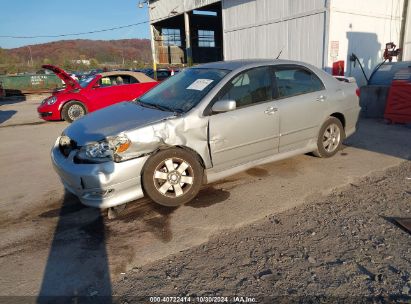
x: 100, y: 185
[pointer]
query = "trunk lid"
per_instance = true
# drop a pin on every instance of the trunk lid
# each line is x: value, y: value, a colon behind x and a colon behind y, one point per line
x: 70, y: 82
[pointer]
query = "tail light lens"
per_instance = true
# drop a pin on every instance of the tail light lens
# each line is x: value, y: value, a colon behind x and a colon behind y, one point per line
x: 357, y: 92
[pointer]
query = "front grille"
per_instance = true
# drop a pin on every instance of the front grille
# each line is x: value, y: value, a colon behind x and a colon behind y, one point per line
x: 45, y: 114
x: 67, y: 145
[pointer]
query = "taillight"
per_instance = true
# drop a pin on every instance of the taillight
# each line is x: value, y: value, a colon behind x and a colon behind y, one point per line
x: 357, y: 91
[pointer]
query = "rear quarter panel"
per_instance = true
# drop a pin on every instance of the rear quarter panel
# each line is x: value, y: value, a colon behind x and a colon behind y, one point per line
x: 346, y: 102
x: 142, y: 88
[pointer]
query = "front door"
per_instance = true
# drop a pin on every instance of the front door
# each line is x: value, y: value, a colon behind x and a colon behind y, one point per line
x: 109, y: 91
x: 251, y: 131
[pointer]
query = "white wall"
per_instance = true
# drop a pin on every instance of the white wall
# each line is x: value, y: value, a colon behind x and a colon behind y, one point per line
x: 263, y: 28
x: 363, y: 28
x: 407, y: 36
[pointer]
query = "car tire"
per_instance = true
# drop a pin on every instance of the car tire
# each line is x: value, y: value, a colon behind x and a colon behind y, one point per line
x: 73, y: 110
x: 172, y: 177
x: 330, y: 138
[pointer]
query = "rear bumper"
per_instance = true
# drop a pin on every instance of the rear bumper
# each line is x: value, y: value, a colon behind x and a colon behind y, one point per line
x: 100, y: 185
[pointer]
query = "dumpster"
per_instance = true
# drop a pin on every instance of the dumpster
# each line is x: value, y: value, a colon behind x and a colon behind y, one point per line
x: 398, y: 109
x: 374, y: 96
x: 29, y: 83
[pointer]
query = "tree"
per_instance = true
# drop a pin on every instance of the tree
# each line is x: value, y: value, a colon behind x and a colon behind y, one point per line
x: 68, y: 65
x: 94, y: 63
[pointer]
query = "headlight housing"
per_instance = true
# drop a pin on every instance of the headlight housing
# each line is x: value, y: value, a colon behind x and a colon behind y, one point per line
x: 50, y: 100
x: 109, y: 149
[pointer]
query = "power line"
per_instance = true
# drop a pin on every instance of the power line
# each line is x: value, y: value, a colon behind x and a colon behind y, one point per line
x: 75, y: 34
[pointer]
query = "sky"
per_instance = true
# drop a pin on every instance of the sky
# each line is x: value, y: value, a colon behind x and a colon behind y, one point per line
x: 54, y: 17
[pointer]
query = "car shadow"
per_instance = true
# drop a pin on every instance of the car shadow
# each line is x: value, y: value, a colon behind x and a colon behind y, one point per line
x: 6, y: 115
x: 377, y: 136
x: 77, y: 268
x: 12, y: 99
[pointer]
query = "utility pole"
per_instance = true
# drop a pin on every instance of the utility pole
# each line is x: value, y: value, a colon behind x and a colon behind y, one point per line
x: 402, y: 31
x: 153, y: 50
x: 189, y: 51
x: 31, y: 57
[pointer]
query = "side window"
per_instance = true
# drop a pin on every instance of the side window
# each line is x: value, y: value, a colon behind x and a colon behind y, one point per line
x: 110, y: 81
x: 132, y: 80
x: 105, y: 82
x: 249, y: 87
x: 293, y: 81
x: 117, y: 80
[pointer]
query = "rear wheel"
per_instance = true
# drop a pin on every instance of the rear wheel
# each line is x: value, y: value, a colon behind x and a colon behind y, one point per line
x: 172, y: 177
x: 72, y: 111
x: 330, y: 138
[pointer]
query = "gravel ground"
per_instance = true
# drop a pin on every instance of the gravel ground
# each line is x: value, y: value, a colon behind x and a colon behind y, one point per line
x: 344, y: 247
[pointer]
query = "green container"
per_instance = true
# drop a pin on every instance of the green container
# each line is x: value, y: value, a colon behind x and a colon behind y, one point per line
x: 30, y: 83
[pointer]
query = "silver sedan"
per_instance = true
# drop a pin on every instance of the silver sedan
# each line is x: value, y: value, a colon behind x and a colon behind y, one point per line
x: 204, y: 124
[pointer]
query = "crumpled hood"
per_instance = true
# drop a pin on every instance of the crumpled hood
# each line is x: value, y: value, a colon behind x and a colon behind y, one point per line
x: 113, y: 120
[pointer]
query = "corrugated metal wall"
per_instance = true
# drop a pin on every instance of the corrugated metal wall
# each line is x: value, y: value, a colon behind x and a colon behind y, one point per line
x: 161, y: 9
x: 263, y: 28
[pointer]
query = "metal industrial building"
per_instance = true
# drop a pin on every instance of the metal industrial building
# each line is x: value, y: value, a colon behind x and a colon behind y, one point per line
x: 320, y: 32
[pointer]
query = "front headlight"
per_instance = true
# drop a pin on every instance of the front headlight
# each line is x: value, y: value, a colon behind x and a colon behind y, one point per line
x: 50, y: 100
x: 109, y: 148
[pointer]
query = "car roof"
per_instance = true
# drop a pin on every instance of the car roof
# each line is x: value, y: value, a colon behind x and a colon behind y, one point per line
x: 245, y: 63
x: 141, y: 77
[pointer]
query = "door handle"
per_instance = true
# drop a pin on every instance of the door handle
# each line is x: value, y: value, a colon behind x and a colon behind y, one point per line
x: 321, y: 98
x: 270, y: 110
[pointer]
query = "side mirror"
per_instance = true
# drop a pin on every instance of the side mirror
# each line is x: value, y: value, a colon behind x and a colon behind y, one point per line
x: 224, y: 106
x: 96, y: 86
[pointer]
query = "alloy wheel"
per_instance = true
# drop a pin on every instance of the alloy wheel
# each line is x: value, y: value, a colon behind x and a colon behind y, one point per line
x: 331, y: 138
x: 173, y: 177
x: 75, y: 111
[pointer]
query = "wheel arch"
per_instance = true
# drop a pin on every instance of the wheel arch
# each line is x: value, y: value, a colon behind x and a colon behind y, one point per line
x: 195, y: 153
x: 200, y: 159
x: 69, y: 100
x: 340, y: 117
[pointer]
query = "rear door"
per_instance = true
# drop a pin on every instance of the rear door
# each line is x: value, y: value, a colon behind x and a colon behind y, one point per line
x: 302, y: 105
x: 252, y: 130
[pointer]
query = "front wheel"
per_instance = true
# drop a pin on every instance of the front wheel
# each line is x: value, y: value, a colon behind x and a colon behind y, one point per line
x: 330, y: 138
x: 172, y: 177
x: 72, y: 111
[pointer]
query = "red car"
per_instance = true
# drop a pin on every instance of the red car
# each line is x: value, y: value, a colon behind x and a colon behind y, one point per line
x: 93, y: 93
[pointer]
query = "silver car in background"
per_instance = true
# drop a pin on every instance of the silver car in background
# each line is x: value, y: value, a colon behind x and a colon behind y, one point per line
x: 202, y: 125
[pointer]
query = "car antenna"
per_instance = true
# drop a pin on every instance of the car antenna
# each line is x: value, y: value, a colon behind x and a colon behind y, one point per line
x: 279, y: 54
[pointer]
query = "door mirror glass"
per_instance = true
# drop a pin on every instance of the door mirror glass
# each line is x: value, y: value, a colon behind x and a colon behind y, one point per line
x: 224, y: 106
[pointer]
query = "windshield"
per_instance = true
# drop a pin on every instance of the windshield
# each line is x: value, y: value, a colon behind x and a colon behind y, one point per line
x: 84, y: 82
x: 183, y: 91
